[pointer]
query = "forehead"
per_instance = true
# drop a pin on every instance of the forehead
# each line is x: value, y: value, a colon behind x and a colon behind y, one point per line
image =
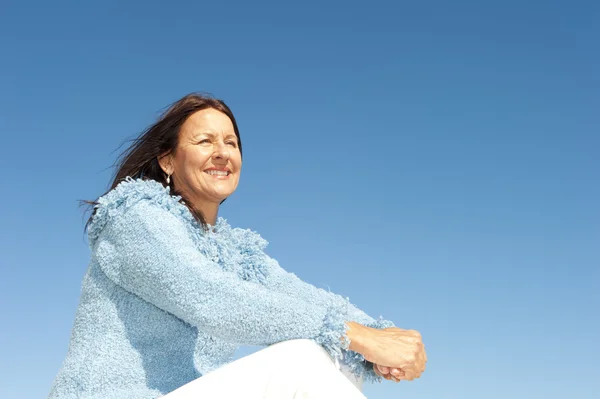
x: 208, y: 121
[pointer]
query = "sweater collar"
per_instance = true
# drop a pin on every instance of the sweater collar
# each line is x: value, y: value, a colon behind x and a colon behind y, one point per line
x: 130, y: 191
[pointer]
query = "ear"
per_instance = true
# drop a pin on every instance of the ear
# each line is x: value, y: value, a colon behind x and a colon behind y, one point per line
x: 166, y: 163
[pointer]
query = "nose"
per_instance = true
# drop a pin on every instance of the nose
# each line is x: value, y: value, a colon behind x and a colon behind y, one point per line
x: 221, y: 152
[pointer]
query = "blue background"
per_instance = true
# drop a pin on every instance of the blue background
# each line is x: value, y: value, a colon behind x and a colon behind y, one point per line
x: 435, y: 161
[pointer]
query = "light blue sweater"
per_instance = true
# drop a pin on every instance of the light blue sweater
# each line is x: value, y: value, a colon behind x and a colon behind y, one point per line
x: 164, y: 302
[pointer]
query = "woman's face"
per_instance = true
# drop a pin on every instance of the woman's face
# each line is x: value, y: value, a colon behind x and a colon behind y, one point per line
x: 207, y: 163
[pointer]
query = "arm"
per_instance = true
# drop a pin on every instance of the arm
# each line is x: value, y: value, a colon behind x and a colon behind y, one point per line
x: 148, y: 251
x: 289, y: 284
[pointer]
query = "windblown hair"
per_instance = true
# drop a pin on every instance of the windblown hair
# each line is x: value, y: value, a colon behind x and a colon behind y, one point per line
x: 140, y: 159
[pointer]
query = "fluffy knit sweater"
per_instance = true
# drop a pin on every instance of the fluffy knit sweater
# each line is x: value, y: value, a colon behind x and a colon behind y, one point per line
x: 164, y: 301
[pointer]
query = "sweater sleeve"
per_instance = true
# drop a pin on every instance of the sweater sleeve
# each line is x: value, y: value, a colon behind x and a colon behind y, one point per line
x: 288, y: 283
x: 149, y: 252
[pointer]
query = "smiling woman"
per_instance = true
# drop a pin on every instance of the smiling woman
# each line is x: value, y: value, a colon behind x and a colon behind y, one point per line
x: 189, y: 133
x: 206, y: 164
x: 172, y: 290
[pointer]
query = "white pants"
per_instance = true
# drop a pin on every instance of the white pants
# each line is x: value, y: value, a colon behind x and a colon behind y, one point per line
x: 287, y: 370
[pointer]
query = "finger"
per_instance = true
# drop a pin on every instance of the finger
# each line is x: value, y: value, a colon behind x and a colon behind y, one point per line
x: 409, y: 373
x: 376, y: 370
x: 388, y: 376
x: 417, y: 371
x: 423, y: 360
x: 379, y: 373
x: 418, y: 365
x: 384, y: 369
x: 397, y: 372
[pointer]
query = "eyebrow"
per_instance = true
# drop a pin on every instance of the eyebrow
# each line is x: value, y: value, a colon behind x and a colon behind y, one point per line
x: 211, y: 134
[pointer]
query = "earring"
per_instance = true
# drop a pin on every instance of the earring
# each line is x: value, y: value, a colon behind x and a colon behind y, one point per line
x: 168, y: 179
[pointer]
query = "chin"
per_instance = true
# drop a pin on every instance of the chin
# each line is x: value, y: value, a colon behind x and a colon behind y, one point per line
x: 223, y: 195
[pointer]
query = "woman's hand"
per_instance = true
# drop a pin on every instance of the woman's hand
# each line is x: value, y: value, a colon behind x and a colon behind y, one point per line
x: 390, y: 348
x: 397, y: 348
x: 389, y: 373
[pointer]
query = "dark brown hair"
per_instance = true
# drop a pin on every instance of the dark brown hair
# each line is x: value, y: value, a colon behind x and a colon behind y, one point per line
x: 140, y: 159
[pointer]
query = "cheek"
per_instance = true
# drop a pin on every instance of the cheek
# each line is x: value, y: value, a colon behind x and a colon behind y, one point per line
x: 193, y: 161
x: 237, y: 162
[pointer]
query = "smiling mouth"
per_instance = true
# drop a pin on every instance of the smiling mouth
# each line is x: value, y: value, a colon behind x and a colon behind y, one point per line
x: 217, y: 172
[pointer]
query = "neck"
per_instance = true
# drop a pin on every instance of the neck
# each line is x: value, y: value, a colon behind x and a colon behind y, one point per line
x: 205, y: 205
x: 209, y: 210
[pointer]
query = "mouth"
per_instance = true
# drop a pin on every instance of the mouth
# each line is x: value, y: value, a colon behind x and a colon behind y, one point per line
x: 218, y: 172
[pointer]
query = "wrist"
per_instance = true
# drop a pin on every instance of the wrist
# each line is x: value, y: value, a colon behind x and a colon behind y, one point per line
x: 359, y: 336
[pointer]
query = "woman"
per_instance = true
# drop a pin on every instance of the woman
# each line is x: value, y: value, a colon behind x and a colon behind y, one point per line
x: 172, y: 290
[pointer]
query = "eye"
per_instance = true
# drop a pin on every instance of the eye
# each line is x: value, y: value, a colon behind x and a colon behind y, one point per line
x: 232, y: 143
x: 204, y: 141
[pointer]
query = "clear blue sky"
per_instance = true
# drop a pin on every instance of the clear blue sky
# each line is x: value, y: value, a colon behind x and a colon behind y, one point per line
x: 437, y: 162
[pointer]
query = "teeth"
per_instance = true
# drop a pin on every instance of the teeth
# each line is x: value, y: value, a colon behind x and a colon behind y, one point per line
x: 217, y: 172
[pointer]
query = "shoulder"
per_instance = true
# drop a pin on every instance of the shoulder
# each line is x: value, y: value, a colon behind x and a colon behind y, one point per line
x: 242, y: 250
x: 245, y: 239
x: 142, y: 200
